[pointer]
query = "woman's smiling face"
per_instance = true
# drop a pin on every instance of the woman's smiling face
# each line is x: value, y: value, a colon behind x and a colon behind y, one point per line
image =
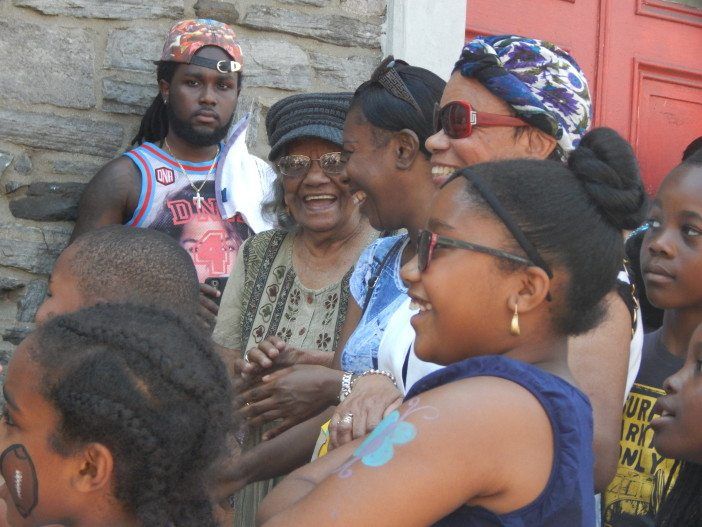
x: 486, y: 143
x: 462, y: 295
x: 317, y: 201
x: 371, y: 169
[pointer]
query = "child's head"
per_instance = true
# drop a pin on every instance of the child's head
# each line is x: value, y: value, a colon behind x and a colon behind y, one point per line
x: 122, y: 264
x: 559, y: 232
x: 678, y: 434
x: 678, y: 430
x: 671, y: 251
x: 114, y: 413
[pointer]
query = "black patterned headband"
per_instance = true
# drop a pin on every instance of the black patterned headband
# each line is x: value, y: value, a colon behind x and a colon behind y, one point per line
x: 482, y: 187
x: 387, y: 76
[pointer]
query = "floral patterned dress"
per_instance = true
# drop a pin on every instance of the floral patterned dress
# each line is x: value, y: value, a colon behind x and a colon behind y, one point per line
x: 265, y: 297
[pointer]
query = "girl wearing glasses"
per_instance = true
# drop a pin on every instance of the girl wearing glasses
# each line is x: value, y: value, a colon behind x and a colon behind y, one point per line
x: 513, y: 97
x: 517, y: 257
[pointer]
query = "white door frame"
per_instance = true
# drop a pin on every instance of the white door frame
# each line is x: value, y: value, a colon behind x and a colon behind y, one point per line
x: 426, y: 33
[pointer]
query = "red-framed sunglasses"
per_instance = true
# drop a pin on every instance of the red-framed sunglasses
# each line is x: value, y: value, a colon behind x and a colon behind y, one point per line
x: 458, y: 118
x: 428, y: 241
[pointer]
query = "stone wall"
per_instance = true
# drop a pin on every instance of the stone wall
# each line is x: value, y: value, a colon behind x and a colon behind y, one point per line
x: 78, y: 74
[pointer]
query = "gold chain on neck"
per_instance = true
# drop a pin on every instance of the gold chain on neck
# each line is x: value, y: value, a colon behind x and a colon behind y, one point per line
x: 197, y: 199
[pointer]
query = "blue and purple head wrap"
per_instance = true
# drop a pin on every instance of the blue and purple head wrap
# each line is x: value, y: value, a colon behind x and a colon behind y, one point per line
x: 541, y: 82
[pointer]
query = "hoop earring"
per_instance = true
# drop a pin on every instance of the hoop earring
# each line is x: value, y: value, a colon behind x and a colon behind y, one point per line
x: 514, y: 326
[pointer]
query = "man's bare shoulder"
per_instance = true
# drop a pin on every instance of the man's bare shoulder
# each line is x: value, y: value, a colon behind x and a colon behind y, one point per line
x: 111, y: 196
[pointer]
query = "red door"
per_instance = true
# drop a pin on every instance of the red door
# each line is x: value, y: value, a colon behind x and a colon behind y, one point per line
x: 643, y: 59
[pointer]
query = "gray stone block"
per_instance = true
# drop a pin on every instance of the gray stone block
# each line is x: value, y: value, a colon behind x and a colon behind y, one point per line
x: 343, y: 73
x: 48, y: 202
x: 336, y: 29
x: 223, y: 11
x: 256, y: 134
x: 8, y: 283
x: 315, y: 3
x: 75, y: 167
x: 32, y: 299
x: 13, y: 186
x: 16, y: 333
x: 108, y: 9
x: 56, y: 64
x: 276, y: 64
x: 134, y: 49
x: 6, y: 351
x: 66, y: 134
x: 32, y: 249
x: 364, y: 8
x: 5, y: 160
x: 120, y: 96
x: 23, y: 164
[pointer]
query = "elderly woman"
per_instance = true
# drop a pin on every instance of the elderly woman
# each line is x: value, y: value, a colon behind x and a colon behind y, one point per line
x: 293, y: 282
x: 387, y: 160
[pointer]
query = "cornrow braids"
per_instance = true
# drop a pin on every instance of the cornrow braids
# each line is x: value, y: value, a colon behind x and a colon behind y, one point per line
x: 149, y: 386
x: 683, y: 505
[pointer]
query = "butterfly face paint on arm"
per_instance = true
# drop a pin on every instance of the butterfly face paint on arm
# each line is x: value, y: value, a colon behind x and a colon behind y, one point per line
x: 378, y: 448
x: 17, y: 469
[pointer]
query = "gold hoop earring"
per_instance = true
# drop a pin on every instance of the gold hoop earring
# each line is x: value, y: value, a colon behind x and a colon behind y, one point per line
x: 514, y: 326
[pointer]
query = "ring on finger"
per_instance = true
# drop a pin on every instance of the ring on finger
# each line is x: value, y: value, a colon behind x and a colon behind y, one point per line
x: 348, y: 418
x: 246, y: 357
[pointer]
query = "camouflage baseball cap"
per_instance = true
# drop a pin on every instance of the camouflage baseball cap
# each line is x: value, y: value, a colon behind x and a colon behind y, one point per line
x: 187, y: 37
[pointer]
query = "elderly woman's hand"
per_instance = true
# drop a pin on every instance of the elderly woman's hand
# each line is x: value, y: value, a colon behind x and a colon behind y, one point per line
x: 274, y: 353
x: 372, y: 398
x: 293, y: 394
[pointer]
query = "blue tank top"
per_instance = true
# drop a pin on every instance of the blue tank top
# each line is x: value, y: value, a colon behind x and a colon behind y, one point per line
x: 361, y: 350
x: 568, y: 498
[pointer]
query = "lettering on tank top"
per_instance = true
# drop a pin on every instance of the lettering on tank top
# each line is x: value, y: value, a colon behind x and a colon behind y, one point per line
x: 166, y: 204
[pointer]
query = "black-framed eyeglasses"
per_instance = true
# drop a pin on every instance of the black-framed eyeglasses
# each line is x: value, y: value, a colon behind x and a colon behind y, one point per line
x: 387, y: 76
x: 428, y: 241
x: 296, y: 166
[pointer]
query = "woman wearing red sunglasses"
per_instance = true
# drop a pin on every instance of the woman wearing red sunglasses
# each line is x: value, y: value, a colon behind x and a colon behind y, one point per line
x: 513, y: 97
x: 517, y: 257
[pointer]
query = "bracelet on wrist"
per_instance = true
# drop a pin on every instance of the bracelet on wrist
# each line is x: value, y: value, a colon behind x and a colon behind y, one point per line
x: 375, y: 372
x: 345, y: 386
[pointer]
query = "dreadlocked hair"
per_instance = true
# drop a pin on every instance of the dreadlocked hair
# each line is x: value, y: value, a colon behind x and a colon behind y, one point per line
x: 683, y: 505
x: 154, y: 124
x: 149, y: 386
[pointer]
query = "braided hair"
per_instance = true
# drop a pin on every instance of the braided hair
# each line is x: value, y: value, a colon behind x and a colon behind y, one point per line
x: 149, y: 386
x: 683, y: 506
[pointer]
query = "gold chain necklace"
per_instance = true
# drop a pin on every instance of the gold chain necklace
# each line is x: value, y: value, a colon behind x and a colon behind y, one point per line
x: 197, y: 199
